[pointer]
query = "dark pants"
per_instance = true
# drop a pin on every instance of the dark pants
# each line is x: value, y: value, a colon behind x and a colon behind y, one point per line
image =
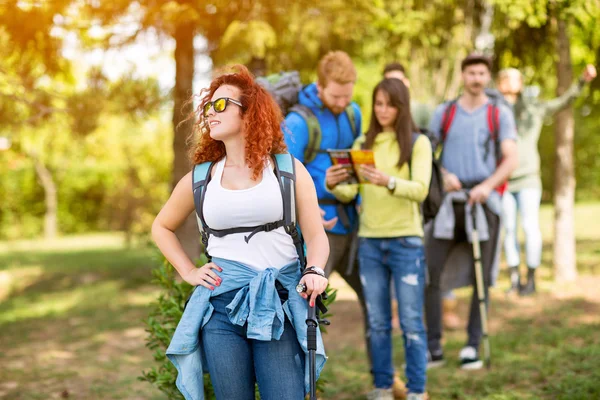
x: 437, y: 252
x: 340, y: 250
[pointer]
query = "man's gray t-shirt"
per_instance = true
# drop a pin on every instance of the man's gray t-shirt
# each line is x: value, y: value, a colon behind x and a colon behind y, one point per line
x: 465, y: 152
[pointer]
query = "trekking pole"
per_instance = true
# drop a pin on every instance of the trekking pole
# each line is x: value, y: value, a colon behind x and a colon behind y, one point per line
x: 311, y: 337
x: 480, y: 288
x: 312, y: 322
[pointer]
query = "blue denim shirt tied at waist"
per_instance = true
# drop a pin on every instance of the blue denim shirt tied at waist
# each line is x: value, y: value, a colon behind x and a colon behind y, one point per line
x: 256, y: 303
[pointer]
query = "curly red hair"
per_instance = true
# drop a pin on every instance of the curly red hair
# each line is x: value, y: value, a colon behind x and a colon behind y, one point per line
x: 261, y: 117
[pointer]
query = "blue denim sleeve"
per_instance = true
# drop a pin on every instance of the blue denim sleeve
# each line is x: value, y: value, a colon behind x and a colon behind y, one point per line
x: 295, y: 131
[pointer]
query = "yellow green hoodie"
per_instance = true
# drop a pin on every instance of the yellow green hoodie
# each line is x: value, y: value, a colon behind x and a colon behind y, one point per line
x: 385, y: 214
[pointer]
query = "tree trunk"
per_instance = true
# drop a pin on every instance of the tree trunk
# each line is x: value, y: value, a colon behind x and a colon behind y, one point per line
x: 184, y: 75
x: 565, y: 265
x: 50, y: 198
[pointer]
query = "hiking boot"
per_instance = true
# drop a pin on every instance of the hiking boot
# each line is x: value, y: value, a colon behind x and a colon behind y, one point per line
x: 380, y: 394
x: 399, y: 389
x: 417, y: 396
x: 435, y: 359
x: 529, y: 288
x: 469, y: 358
x: 515, y: 281
x: 450, y: 318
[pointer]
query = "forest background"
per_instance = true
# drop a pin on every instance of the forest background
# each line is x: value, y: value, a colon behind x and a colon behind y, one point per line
x: 91, y: 93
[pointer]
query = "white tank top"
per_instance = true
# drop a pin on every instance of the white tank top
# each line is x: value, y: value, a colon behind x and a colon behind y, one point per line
x: 258, y: 205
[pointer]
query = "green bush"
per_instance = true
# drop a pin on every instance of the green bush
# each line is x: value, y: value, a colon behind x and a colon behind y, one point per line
x: 161, y: 323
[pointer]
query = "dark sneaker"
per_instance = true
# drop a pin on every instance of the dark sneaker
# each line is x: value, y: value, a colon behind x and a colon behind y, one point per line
x: 529, y: 288
x: 435, y: 359
x: 469, y: 358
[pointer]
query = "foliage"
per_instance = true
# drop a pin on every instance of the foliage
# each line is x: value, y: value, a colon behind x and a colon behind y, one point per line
x: 107, y: 144
x: 160, y: 325
x: 522, y: 25
x: 587, y: 146
x: 29, y: 53
x: 113, y: 179
x: 278, y: 35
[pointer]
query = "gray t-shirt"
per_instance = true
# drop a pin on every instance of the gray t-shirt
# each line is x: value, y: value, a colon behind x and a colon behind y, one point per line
x: 465, y: 152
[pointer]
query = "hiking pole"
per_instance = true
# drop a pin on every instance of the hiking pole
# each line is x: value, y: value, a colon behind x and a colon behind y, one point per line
x: 311, y: 339
x: 312, y: 322
x: 480, y: 287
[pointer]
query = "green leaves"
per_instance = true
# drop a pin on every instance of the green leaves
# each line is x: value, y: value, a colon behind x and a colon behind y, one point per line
x: 137, y: 98
x: 160, y: 325
x: 243, y: 41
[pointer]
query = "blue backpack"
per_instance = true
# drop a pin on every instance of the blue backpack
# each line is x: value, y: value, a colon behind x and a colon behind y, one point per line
x: 285, y: 172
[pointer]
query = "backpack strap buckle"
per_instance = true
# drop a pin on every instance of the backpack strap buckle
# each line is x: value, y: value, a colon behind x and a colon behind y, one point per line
x: 204, y: 237
x: 271, y: 226
x: 268, y: 227
x: 292, y: 231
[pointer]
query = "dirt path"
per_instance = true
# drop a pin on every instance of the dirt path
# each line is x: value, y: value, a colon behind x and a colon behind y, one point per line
x: 346, y: 330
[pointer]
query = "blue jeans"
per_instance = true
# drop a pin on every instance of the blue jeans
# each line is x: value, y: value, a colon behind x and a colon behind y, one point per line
x: 401, y: 261
x: 527, y: 202
x: 235, y: 362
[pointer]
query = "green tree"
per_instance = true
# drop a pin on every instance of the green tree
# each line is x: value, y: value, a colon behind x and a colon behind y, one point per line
x: 549, y: 23
x: 565, y: 264
x: 29, y: 55
x: 181, y: 21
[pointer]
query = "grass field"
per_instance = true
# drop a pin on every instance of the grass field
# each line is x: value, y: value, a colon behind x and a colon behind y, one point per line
x: 71, y: 326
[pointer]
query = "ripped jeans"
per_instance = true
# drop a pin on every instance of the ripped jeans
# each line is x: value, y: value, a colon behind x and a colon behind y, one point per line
x: 399, y: 260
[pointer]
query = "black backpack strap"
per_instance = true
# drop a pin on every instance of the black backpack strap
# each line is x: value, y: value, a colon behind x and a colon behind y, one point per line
x: 313, y: 146
x: 201, y: 175
x: 253, y: 230
x: 285, y: 170
x: 414, y: 138
x: 351, y: 114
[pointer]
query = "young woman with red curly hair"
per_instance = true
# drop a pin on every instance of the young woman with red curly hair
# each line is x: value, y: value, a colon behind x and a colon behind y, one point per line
x: 242, y: 325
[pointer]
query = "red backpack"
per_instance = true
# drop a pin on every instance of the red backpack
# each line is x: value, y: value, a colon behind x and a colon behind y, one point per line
x: 493, y: 119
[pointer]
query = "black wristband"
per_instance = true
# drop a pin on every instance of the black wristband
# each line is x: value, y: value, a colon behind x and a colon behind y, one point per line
x: 314, y: 269
x: 309, y: 272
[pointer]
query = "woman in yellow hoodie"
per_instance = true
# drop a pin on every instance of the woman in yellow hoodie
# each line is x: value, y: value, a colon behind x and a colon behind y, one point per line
x: 391, y: 234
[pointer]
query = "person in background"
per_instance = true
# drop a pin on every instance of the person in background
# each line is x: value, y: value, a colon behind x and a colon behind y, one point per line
x: 421, y: 114
x: 391, y: 235
x: 525, y: 185
x: 473, y: 167
x: 329, y: 99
